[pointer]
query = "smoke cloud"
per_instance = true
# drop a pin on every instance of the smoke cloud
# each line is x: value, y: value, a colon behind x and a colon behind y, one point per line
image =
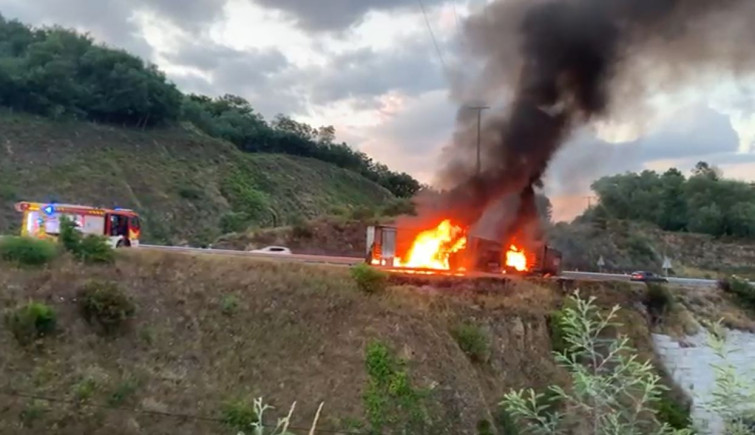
x: 558, y: 65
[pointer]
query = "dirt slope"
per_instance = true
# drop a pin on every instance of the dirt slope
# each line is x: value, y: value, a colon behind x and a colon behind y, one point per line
x: 296, y: 333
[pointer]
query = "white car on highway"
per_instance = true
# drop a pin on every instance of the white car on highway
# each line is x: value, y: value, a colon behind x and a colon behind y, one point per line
x: 279, y: 250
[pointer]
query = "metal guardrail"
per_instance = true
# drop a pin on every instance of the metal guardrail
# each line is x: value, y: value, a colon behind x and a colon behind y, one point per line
x: 321, y: 259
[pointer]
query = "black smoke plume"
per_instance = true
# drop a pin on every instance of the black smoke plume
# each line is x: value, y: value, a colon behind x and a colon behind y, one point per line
x: 561, y: 64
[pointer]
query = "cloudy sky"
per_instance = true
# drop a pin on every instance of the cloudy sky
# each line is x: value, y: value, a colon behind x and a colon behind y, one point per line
x: 370, y: 68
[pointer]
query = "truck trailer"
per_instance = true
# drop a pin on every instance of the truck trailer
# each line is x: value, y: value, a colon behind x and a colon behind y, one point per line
x: 480, y: 255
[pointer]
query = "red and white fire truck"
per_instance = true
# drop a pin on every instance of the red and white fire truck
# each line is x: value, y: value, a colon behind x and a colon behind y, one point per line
x: 121, y: 227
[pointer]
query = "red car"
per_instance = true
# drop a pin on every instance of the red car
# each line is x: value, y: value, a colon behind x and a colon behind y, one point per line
x: 643, y: 276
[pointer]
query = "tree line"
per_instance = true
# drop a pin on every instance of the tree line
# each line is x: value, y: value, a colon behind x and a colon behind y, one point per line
x: 63, y: 74
x: 704, y: 202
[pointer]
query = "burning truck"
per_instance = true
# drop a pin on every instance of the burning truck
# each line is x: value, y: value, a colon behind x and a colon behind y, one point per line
x: 448, y: 248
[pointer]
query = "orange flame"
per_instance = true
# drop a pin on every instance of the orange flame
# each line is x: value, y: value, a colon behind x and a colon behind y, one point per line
x: 432, y: 248
x: 515, y: 258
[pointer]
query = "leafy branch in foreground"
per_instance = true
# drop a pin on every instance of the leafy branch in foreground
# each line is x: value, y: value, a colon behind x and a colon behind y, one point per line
x: 611, y: 391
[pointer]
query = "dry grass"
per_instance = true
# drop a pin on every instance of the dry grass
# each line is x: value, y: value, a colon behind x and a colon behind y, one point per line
x: 208, y: 329
x: 709, y: 306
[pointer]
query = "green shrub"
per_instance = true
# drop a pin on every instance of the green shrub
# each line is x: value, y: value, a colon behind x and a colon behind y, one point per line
x: 95, y: 249
x: 399, y: 206
x: 473, y: 340
x: 740, y: 288
x: 106, y: 304
x: 27, y: 251
x: 556, y: 325
x: 89, y: 249
x: 7, y: 192
x: 84, y: 389
x: 658, y: 300
x: 69, y: 237
x: 234, y: 222
x: 368, y: 279
x: 391, y: 403
x: 33, y: 411
x: 485, y: 428
x: 229, y: 304
x: 190, y: 193
x: 362, y: 213
x: 31, y: 321
x: 123, y: 392
x: 506, y: 421
x: 672, y: 413
x: 300, y: 228
x: 239, y: 415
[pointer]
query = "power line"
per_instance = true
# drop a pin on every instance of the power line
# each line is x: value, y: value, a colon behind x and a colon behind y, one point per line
x: 456, y: 15
x: 479, y: 110
x: 432, y: 35
x: 164, y: 414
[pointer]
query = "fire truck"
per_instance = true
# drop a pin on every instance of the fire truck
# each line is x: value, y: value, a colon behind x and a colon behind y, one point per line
x: 481, y: 254
x: 121, y: 227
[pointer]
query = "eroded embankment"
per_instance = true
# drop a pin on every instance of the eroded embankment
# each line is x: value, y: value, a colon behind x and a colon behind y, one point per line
x: 209, y: 330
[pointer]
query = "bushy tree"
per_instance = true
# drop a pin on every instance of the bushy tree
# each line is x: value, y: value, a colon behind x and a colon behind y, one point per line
x: 704, y: 203
x: 60, y: 73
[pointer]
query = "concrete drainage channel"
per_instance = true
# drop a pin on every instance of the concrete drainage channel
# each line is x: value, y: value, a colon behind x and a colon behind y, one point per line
x: 690, y: 363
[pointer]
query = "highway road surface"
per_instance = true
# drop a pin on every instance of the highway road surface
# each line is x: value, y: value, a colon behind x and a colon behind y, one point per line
x: 347, y: 261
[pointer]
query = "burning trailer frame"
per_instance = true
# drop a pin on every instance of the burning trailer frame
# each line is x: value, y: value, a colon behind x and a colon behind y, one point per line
x: 440, y: 251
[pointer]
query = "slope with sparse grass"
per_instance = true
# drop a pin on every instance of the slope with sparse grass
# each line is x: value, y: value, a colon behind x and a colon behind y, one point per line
x: 158, y: 334
x: 206, y: 331
x: 187, y: 186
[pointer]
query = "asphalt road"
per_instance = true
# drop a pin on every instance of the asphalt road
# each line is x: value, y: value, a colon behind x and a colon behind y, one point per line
x: 346, y: 261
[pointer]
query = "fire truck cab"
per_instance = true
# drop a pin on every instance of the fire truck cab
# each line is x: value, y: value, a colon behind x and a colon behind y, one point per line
x: 121, y: 227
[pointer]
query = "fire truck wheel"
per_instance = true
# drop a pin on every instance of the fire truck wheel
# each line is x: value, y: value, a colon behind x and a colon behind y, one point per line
x: 122, y: 244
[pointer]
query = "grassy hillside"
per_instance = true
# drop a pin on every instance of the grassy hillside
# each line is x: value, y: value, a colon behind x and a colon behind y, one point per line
x: 186, y: 185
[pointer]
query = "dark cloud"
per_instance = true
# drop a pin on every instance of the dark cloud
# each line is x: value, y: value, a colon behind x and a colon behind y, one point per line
x: 337, y: 15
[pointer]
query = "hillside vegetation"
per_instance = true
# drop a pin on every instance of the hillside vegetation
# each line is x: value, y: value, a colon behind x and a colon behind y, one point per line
x: 627, y: 246
x: 187, y: 186
x: 704, y: 223
x: 111, y: 130
x: 705, y: 202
